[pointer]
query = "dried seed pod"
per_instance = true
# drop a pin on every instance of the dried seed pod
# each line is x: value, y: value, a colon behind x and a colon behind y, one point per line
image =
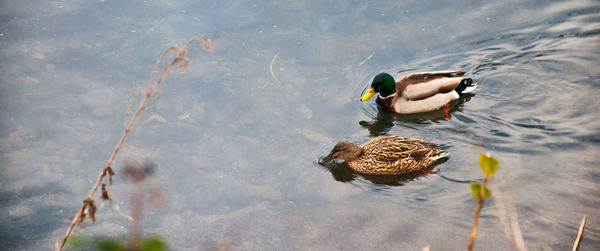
x: 111, y: 173
x: 105, y: 196
x: 88, y: 204
x: 81, y: 218
x: 92, y: 211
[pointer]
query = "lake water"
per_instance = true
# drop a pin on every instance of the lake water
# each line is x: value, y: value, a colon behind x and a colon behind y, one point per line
x: 236, y: 147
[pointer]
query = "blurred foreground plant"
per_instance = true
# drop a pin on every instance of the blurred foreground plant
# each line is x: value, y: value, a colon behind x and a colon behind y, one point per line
x: 89, y: 207
x: 489, y: 166
x: 104, y: 243
x: 137, y: 174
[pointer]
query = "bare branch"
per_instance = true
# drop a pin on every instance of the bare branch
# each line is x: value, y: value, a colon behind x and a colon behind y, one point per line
x: 179, y: 61
x: 579, y: 233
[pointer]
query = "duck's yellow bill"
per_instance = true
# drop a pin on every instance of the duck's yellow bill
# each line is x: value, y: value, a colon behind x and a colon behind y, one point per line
x: 368, y: 95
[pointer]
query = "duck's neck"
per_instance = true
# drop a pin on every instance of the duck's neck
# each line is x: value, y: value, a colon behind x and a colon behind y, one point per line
x: 386, y: 103
x: 354, y: 153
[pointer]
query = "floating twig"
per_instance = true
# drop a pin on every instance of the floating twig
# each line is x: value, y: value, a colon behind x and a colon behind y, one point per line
x: 580, y: 233
x: 271, y: 68
x: 364, y: 61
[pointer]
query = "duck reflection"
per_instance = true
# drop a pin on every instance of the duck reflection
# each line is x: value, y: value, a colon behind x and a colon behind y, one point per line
x: 383, y: 121
x: 343, y: 173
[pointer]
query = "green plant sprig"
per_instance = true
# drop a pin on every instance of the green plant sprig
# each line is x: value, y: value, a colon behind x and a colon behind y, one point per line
x: 489, y: 166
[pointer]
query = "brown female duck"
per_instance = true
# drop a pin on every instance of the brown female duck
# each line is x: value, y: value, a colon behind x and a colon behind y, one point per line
x: 387, y: 155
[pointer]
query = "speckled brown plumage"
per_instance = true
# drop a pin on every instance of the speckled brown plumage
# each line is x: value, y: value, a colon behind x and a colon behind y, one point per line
x: 387, y: 155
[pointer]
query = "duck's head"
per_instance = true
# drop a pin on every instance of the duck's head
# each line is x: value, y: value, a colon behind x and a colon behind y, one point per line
x: 384, y: 84
x: 344, y: 150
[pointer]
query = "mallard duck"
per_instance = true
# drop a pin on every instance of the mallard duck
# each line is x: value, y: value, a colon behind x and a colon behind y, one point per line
x: 418, y: 92
x: 387, y: 155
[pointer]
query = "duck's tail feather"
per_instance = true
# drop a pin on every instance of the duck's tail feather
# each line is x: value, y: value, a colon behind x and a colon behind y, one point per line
x: 466, y: 85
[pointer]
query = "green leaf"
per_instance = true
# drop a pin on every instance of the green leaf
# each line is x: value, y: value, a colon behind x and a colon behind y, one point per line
x: 102, y: 243
x: 476, y: 188
x: 109, y: 244
x: 488, y: 164
x: 153, y: 244
x: 487, y: 193
x: 77, y: 241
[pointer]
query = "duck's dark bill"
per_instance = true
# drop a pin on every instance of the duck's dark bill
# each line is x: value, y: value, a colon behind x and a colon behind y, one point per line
x: 324, y: 159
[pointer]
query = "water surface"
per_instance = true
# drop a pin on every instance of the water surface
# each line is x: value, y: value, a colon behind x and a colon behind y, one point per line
x: 236, y: 149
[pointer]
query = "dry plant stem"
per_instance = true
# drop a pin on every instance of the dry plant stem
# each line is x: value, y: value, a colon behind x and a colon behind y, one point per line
x: 502, y: 216
x: 477, y: 212
x: 179, y: 60
x: 512, y: 231
x: 579, y: 233
x: 514, y: 219
x: 137, y: 211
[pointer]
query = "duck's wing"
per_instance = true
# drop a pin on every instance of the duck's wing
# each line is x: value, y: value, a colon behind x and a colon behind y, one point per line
x: 427, y: 76
x: 393, y: 154
x: 418, y: 86
x: 394, y: 148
